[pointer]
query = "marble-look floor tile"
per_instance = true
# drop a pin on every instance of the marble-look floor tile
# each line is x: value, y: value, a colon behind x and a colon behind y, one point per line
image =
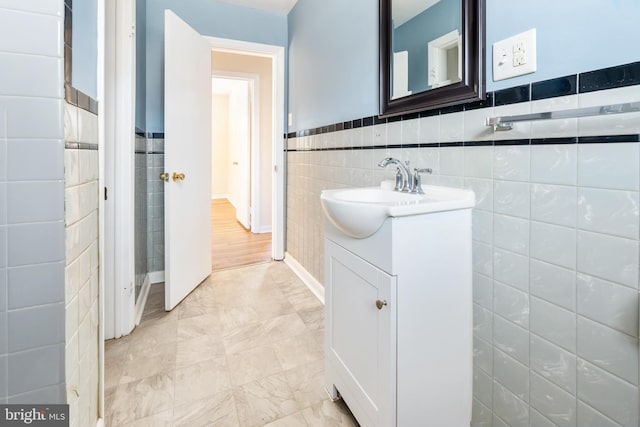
x: 313, y: 318
x: 329, y: 414
x: 196, y: 350
x: 212, y: 364
x: 163, y: 419
x: 298, y: 350
x: 264, y: 401
x: 135, y: 367
x: 253, y: 364
x: 140, y: 399
x: 216, y: 410
x: 307, y: 383
x: 293, y: 420
x: 201, y: 380
x: 198, y: 326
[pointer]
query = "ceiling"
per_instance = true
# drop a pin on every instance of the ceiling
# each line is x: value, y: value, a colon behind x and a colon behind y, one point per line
x: 276, y: 6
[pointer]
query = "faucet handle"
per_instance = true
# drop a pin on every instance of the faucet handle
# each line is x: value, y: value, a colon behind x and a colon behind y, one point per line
x: 417, y: 181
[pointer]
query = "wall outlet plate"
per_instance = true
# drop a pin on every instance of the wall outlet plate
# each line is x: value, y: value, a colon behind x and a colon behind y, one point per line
x: 515, y: 56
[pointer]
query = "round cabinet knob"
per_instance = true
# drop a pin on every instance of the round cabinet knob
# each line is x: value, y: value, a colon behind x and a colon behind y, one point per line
x: 178, y: 177
x: 164, y: 176
x: 380, y: 304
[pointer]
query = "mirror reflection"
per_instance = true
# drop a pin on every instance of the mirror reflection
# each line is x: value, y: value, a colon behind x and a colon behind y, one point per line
x: 426, y: 45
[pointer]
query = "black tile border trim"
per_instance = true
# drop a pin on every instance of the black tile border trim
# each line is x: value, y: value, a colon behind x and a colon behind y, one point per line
x: 606, y: 78
x: 604, y: 139
x: 80, y: 146
x: 79, y: 99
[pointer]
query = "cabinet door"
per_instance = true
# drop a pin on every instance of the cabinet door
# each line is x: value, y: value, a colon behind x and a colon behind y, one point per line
x: 360, y: 332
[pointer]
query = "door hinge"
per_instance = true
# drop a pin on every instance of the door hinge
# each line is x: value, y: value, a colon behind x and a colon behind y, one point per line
x: 105, y: 193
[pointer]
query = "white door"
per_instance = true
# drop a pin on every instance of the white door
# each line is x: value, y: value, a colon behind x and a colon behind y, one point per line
x: 239, y: 150
x: 187, y: 118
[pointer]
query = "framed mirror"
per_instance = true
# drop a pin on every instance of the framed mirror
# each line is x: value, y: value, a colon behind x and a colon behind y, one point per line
x: 431, y: 54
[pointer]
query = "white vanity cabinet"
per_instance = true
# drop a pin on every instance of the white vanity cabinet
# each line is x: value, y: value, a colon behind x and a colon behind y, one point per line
x: 398, y: 321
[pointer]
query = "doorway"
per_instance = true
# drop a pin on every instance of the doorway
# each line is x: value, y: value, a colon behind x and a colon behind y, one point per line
x: 237, y: 188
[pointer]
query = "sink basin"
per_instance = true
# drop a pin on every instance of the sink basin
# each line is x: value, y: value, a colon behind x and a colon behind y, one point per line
x: 359, y: 212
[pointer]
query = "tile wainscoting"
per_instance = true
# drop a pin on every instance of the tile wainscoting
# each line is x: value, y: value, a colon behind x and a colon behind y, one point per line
x: 556, y: 233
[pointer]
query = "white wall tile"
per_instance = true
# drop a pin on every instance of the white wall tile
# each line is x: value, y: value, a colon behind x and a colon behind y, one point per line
x: 553, y: 363
x: 483, y: 358
x: 511, y: 198
x: 553, y: 402
x: 539, y: 420
x: 429, y: 129
x: 608, y: 349
x: 482, y: 387
x: 511, y: 374
x: 478, y: 162
x: 481, y: 415
x: 557, y: 128
x: 509, y: 407
x: 608, y: 303
x: 30, y: 75
x: 482, y: 226
x: 475, y: 128
x: 511, y: 303
x: 553, y: 323
x: 612, y: 166
x: 482, y: 323
x: 452, y: 161
x: 511, y: 233
x: 33, y: 117
x: 511, y: 339
x: 511, y: 268
x: 31, y: 33
x: 521, y: 130
x: 35, y: 160
x: 554, y: 244
x: 483, y: 290
x: 552, y: 283
x: 483, y: 191
x: 452, y: 127
x: 607, y: 257
x: 39, y: 6
x: 589, y: 417
x: 554, y: 164
x: 482, y: 258
x: 609, y: 211
x: 555, y: 204
x: 612, y: 396
x: 512, y: 163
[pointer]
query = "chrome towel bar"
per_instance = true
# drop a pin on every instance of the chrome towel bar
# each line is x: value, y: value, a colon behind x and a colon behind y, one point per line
x: 506, y: 122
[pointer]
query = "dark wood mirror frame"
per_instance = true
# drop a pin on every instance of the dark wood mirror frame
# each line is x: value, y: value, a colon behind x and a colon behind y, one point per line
x: 470, y: 88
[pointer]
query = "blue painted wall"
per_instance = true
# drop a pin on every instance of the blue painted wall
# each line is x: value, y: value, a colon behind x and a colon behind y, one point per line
x: 333, y: 61
x: 333, y: 56
x: 84, y: 43
x: 210, y: 18
x: 440, y: 19
x: 141, y: 63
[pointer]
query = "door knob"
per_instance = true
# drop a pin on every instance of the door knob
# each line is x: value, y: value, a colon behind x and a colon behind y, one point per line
x: 178, y: 177
x: 380, y: 304
x: 164, y: 176
x: 235, y: 163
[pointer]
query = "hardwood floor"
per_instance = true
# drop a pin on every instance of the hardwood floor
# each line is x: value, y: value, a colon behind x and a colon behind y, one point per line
x: 233, y: 245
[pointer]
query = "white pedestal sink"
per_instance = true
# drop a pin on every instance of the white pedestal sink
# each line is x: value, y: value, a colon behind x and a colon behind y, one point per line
x: 398, y: 305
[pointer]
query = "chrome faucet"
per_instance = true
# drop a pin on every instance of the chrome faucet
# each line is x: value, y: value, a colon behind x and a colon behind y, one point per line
x: 405, y: 180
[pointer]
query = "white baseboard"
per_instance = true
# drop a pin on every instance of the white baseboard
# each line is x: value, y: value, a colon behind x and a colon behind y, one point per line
x: 156, y: 277
x: 219, y: 196
x: 142, y: 298
x: 265, y: 229
x: 314, y: 286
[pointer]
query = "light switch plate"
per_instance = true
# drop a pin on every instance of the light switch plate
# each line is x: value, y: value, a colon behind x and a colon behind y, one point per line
x: 515, y: 56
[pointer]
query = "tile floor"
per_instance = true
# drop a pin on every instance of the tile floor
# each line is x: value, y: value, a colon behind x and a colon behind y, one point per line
x: 244, y: 349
